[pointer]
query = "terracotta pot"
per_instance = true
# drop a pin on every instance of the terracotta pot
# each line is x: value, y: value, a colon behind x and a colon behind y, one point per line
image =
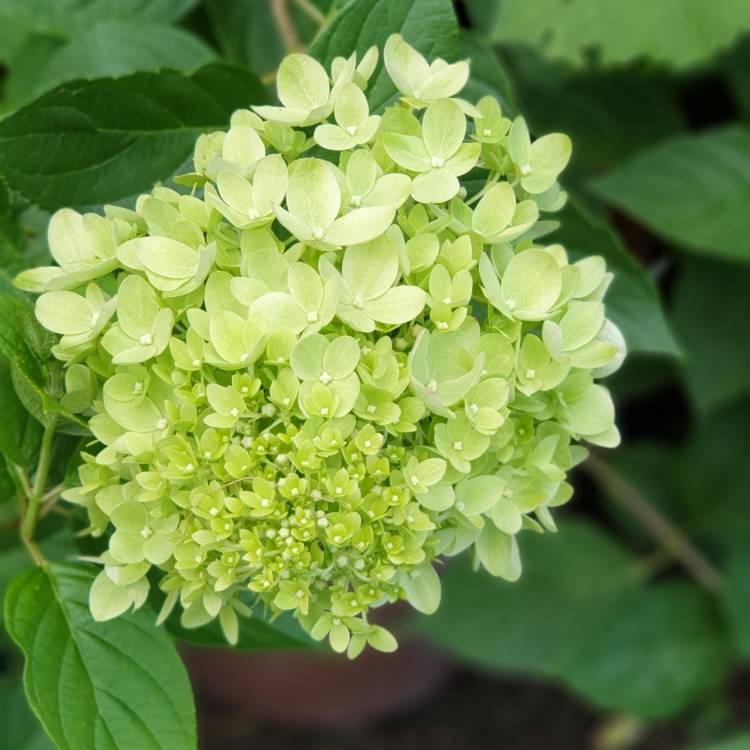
x: 318, y: 690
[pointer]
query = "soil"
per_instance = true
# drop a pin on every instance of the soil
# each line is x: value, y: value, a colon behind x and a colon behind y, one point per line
x: 470, y: 712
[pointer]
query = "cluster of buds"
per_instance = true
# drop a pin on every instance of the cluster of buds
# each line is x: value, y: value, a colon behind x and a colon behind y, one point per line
x: 322, y: 363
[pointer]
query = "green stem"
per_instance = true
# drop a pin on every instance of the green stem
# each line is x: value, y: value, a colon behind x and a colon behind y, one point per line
x: 31, y: 516
x: 493, y: 179
x: 659, y: 526
x: 311, y: 10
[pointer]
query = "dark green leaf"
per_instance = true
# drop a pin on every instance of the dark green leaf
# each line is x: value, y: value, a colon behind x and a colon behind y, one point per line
x: 736, y: 596
x: 20, y: 333
x: 632, y: 300
x: 31, y: 393
x: 20, y: 433
x: 21, y: 729
x: 711, y: 313
x: 693, y: 190
x: 713, y: 476
x: 740, y: 742
x: 90, y: 142
x: 579, y: 615
x: 15, y: 558
x: 109, y: 685
x: 679, y: 33
x: 21, y: 336
x: 737, y: 66
x: 109, y: 48
x: 428, y: 25
x: 62, y: 18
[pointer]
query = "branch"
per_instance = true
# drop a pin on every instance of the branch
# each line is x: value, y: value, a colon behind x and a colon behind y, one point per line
x: 658, y: 525
x: 306, y: 6
x: 31, y: 512
x: 285, y: 25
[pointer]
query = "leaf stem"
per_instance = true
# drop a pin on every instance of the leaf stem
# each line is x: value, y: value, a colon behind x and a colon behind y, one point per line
x: 661, y: 528
x: 31, y: 514
x: 306, y: 6
x: 285, y: 25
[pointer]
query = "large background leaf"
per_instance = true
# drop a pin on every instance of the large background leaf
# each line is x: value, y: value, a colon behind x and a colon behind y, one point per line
x: 93, y: 142
x: 109, y: 48
x: 711, y: 313
x: 681, y: 33
x: 581, y: 616
x: 693, y: 190
x: 109, y: 685
x: 64, y: 18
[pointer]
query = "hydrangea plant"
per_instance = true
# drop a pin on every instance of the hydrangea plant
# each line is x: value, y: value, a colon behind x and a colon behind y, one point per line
x: 322, y: 364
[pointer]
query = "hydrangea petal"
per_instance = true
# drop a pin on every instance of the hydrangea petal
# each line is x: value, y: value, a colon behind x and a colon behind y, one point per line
x: 498, y: 552
x: 302, y: 82
x: 494, y: 210
x: 398, y: 305
x: 443, y: 130
x: 313, y: 196
x: 435, y: 186
x: 360, y: 225
x: 66, y: 313
x: 531, y: 284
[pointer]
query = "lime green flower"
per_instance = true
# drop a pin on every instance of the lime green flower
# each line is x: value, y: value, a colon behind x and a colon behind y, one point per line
x: 419, y: 81
x: 303, y: 89
x: 314, y: 201
x: 354, y: 126
x: 82, y: 246
x: 439, y: 156
x: 310, y: 379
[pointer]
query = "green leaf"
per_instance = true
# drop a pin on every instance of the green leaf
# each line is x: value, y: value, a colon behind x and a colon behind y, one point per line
x: 740, y: 742
x: 129, y: 685
x: 622, y: 32
x: 20, y: 433
x: 61, y: 18
x: 737, y: 67
x: 112, y: 47
x: 21, y: 336
x: 91, y: 142
x: 693, y: 190
x: 579, y: 615
x: 712, y: 498
x: 711, y: 310
x: 632, y: 300
x: 21, y: 729
x: 55, y: 543
x: 736, y: 597
x: 430, y: 26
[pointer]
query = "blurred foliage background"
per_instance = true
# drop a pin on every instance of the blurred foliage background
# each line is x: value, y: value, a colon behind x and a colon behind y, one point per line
x: 637, y: 612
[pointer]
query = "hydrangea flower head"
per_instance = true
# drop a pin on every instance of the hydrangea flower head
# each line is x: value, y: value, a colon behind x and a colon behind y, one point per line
x: 325, y: 366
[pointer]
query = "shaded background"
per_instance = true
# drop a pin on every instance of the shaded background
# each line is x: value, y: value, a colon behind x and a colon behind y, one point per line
x: 631, y: 627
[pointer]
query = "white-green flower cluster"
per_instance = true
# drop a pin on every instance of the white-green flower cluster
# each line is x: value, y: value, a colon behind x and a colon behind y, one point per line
x: 325, y: 366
